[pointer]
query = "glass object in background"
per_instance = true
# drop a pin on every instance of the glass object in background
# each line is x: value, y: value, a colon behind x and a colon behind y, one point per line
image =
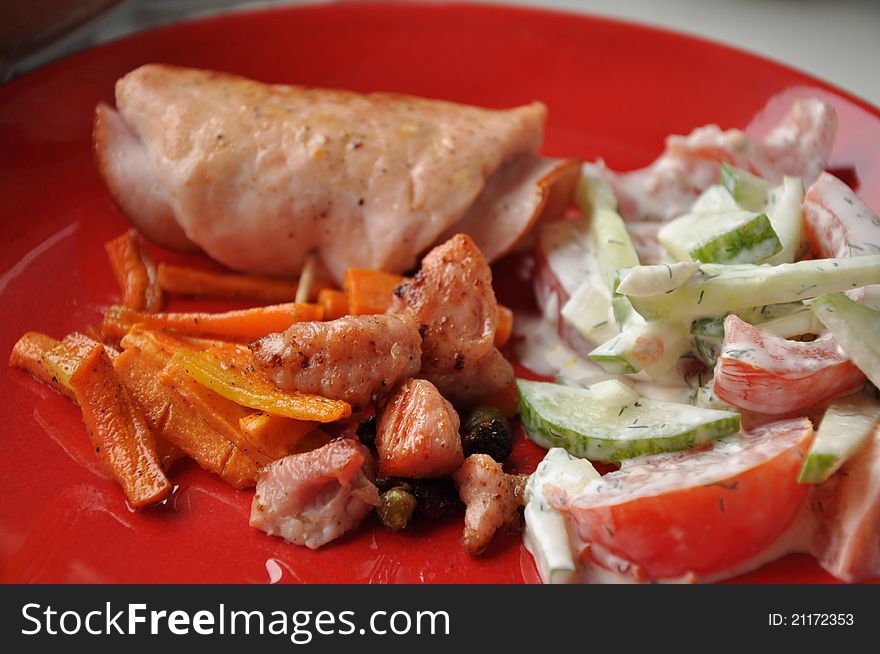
x: 35, y: 32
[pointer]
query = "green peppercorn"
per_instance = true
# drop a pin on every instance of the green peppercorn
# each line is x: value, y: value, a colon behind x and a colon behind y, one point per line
x: 396, y: 507
x: 486, y: 431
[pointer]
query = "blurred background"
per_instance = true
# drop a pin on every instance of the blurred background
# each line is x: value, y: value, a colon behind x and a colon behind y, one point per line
x: 837, y: 40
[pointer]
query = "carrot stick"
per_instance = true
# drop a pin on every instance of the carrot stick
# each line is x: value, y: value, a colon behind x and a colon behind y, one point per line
x: 245, y: 324
x: 167, y: 453
x: 135, y: 273
x: 504, y: 327
x: 119, y: 431
x: 240, y: 470
x: 276, y: 436
x: 369, y: 291
x: 334, y: 303
x: 161, y: 346
x: 177, y: 420
x: 237, y: 379
x: 54, y: 366
x: 27, y: 354
x: 187, y: 281
x: 65, y: 358
x: 222, y: 414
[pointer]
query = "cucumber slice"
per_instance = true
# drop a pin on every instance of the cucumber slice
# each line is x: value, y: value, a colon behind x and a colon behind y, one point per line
x: 846, y: 427
x: 571, y: 418
x: 623, y: 311
x: 713, y: 327
x: 705, y: 397
x: 548, y: 532
x: 643, y: 281
x: 588, y: 310
x: 856, y: 328
x: 708, y: 336
x: 614, y: 247
x: 786, y: 215
x: 721, y: 289
x: 714, y: 199
x: 593, y: 191
x: 787, y: 320
x: 729, y: 237
x: 651, y: 346
x: 613, y: 393
x: 748, y: 191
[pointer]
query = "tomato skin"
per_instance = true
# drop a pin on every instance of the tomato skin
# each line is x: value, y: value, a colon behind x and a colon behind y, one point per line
x: 760, y: 371
x: 704, y: 515
x: 837, y: 223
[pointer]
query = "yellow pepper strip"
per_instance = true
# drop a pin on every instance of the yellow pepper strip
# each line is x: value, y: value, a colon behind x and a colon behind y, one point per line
x: 247, y: 386
x: 63, y: 360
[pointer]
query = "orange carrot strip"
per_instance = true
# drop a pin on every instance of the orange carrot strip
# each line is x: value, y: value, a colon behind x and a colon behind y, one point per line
x: 27, y: 354
x: 82, y: 344
x: 176, y: 420
x: 51, y: 361
x: 245, y: 324
x: 231, y: 373
x: 277, y: 436
x: 168, y: 454
x: 240, y: 470
x: 335, y: 303
x: 119, y: 431
x: 135, y: 273
x: 504, y: 328
x: 161, y: 346
x: 65, y: 358
x: 187, y: 281
x: 222, y: 414
x: 369, y: 291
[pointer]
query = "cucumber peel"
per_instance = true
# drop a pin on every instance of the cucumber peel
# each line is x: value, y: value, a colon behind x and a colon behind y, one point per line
x: 571, y: 418
x: 749, y: 191
x: 723, y: 237
x: 708, y: 337
x: 651, y: 346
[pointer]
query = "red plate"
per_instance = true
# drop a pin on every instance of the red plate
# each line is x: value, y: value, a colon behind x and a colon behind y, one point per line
x: 614, y: 90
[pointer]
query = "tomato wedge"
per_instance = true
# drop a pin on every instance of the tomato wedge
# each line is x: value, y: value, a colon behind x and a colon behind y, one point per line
x: 837, y: 222
x: 763, y: 372
x: 698, y: 512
